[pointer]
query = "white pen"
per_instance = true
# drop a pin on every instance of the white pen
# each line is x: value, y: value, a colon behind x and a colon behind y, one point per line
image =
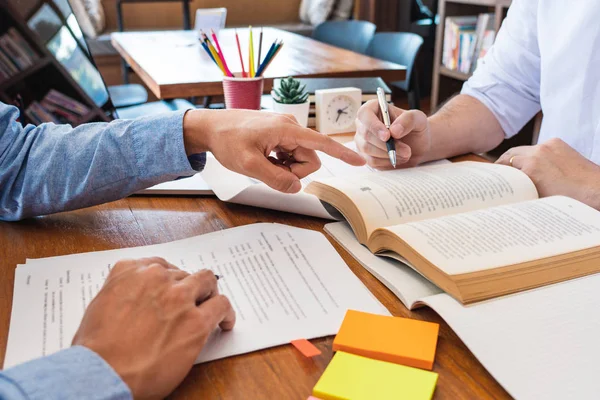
x: 383, y: 105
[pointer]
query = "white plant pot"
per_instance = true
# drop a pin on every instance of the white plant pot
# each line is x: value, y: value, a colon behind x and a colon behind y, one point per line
x: 299, y: 111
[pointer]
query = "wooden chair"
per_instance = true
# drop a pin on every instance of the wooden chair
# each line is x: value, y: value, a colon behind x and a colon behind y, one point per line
x: 351, y: 35
x: 401, y: 48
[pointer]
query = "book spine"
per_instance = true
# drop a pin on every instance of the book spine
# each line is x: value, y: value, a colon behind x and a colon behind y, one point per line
x: 22, y: 44
x: 33, y: 117
x: 5, y: 56
x: 66, y: 102
x: 3, y: 75
x: 69, y: 116
x: 7, y: 63
x: 44, y: 114
x: 482, y: 26
x: 18, y: 57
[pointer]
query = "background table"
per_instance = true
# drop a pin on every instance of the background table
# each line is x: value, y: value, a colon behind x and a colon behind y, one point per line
x: 174, y: 64
x: 276, y: 373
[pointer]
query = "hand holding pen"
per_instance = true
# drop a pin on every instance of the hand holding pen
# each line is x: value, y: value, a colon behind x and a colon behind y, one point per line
x: 408, y: 134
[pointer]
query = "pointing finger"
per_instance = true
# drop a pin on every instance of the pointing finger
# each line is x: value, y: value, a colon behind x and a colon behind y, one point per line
x: 310, y: 139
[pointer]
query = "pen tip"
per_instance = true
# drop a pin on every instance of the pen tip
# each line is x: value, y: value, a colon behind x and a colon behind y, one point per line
x: 392, y: 155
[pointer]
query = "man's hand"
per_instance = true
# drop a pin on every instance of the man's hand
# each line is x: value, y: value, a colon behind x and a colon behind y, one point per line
x: 151, y: 320
x: 243, y: 142
x: 410, y: 129
x: 557, y: 169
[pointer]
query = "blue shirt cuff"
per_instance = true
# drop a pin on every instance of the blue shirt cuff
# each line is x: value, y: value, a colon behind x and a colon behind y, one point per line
x: 74, y: 373
x: 159, y: 147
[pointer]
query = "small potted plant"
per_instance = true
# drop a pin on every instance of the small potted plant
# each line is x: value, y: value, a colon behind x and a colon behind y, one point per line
x: 291, y: 98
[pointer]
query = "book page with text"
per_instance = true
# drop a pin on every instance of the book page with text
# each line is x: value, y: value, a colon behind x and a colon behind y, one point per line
x: 505, y: 235
x: 406, y: 195
x: 284, y: 283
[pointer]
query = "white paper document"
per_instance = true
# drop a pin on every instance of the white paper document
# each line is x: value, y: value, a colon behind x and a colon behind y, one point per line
x: 284, y: 283
x: 194, y: 185
x: 236, y: 188
x: 538, y: 344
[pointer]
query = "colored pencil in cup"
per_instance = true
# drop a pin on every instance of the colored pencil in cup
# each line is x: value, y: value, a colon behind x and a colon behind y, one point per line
x: 251, y: 55
x: 268, y: 62
x: 267, y: 56
x: 237, y: 39
x: 212, y: 50
x: 214, y: 36
x: 205, y: 47
x: 260, y: 40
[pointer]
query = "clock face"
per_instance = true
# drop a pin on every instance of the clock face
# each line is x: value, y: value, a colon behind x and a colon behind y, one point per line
x: 341, y: 111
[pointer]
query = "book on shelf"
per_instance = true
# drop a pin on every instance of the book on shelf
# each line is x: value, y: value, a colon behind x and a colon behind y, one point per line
x: 56, y: 107
x: 66, y: 104
x: 476, y: 230
x: 39, y: 115
x: 15, y: 54
x: 464, y: 41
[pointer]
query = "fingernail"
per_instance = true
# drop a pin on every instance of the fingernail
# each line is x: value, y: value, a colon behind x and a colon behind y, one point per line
x: 383, y: 134
x: 296, y: 186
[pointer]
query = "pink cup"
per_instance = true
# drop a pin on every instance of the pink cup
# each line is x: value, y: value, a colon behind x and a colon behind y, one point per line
x: 243, y: 93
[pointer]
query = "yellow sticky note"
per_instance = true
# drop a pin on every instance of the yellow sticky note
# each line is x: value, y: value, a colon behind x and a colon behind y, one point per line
x: 349, y: 376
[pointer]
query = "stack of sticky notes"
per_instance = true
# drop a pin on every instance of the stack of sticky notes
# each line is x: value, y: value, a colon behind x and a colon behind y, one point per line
x: 399, y: 340
x: 349, y: 376
x: 380, y: 357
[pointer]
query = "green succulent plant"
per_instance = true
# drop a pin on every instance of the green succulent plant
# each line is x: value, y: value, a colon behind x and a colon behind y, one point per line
x: 290, y: 92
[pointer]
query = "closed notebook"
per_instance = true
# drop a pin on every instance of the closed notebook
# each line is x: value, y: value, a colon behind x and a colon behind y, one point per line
x: 399, y: 340
x: 349, y: 376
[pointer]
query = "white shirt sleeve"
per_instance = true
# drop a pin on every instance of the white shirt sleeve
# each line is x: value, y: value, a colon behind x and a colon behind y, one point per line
x: 507, y: 80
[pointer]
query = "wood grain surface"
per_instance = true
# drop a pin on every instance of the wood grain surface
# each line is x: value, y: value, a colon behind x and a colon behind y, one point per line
x: 173, y: 64
x: 276, y: 373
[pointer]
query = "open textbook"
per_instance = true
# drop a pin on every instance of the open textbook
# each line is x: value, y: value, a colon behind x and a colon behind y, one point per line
x: 284, y: 283
x: 476, y: 230
x: 232, y: 187
x: 538, y: 344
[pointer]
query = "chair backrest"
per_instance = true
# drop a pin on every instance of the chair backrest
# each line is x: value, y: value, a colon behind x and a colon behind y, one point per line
x: 351, y: 35
x: 398, y: 47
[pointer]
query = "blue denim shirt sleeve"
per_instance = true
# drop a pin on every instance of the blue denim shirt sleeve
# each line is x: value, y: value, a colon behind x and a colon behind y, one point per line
x: 74, y: 373
x: 52, y: 168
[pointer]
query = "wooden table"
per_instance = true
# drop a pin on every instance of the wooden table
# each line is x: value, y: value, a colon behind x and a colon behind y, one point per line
x: 276, y: 373
x: 173, y: 64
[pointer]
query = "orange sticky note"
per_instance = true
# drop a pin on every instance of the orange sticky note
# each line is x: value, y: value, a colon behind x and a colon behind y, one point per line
x: 306, y: 348
x: 393, y: 339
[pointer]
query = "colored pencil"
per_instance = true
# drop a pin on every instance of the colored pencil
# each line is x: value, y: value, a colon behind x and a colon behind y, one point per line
x: 260, y: 40
x: 275, y: 52
x: 227, y: 71
x: 251, y: 56
x: 214, y: 53
x: 205, y: 47
x: 237, y: 39
x: 268, y: 55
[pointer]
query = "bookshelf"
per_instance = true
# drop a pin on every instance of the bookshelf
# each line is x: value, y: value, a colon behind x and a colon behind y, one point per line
x: 45, y: 71
x: 447, y: 82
